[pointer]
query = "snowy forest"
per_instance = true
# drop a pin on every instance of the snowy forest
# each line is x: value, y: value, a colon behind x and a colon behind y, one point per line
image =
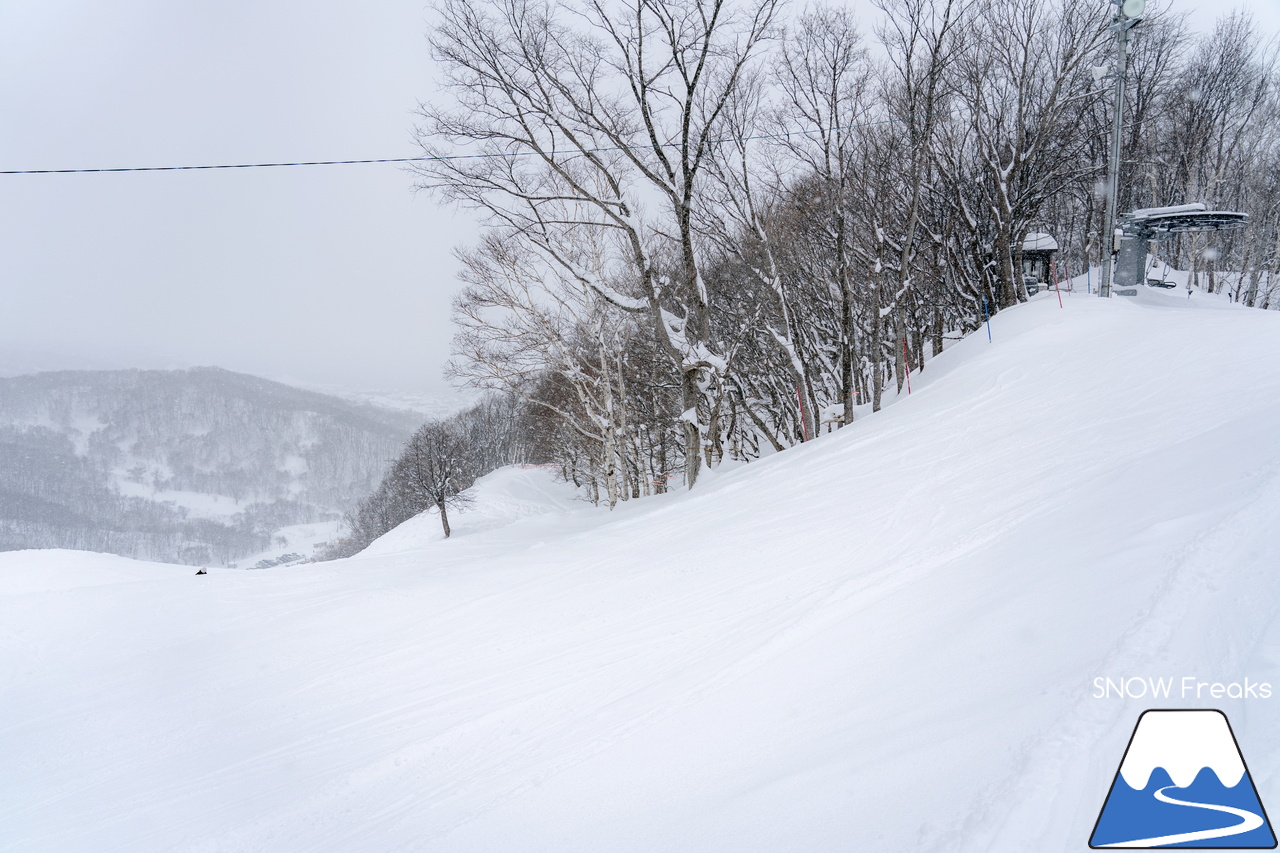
x: 198, y: 466
x: 716, y: 229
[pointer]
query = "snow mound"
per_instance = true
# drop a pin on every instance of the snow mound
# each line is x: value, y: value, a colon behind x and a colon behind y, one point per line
x: 55, y: 569
x: 498, y: 499
x: 1183, y: 743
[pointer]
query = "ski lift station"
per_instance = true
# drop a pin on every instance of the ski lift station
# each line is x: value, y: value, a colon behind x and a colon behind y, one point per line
x: 1038, y: 250
x: 1139, y: 227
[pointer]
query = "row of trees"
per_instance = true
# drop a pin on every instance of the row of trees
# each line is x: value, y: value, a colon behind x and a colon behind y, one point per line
x: 713, y: 231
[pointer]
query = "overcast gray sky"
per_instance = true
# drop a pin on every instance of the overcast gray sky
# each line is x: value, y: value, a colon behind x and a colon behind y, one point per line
x: 329, y: 275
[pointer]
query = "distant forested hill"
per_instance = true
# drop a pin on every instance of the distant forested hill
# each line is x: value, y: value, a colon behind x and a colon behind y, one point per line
x: 193, y: 466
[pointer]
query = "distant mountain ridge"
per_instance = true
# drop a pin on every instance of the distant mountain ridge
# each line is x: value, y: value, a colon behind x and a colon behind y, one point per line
x: 194, y: 466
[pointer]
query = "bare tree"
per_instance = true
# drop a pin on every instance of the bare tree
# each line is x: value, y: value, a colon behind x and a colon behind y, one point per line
x: 825, y: 77
x: 581, y: 110
x: 1022, y: 80
x: 437, y: 467
x: 520, y: 320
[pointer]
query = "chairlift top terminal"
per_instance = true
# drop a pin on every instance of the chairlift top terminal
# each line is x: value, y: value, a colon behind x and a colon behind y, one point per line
x: 1162, y: 223
x: 1159, y: 223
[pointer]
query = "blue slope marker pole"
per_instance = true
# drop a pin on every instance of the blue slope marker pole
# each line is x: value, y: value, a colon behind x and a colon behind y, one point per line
x: 986, y: 316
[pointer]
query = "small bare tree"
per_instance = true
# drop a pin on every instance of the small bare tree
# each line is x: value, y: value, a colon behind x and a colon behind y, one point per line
x: 436, y: 468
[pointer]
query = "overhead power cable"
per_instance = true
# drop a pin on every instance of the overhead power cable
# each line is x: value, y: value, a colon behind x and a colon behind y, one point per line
x: 439, y: 158
x: 231, y: 165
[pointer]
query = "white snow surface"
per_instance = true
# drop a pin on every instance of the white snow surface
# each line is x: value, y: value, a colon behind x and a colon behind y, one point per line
x: 884, y: 640
x: 26, y: 572
x: 1143, y: 213
x: 1183, y: 743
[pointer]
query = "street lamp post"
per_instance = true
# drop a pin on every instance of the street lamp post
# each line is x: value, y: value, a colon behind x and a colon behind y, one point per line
x: 1128, y: 15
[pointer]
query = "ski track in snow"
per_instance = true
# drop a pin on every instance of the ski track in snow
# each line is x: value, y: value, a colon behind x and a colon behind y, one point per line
x: 1052, y: 765
x: 883, y: 640
x: 1052, y: 769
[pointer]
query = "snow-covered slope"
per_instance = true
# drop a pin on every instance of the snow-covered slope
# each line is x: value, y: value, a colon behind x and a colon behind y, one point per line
x: 884, y: 640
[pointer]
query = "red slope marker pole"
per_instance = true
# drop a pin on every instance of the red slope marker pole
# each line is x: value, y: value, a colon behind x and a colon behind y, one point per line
x: 803, y: 423
x: 906, y: 362
x: 1053, y: 266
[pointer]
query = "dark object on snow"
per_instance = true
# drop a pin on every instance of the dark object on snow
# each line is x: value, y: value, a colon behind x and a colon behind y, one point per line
x: 202, y: 572
x: 1155, y: 282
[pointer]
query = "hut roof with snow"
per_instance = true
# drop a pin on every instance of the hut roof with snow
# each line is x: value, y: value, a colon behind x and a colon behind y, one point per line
x: 1039, y: 242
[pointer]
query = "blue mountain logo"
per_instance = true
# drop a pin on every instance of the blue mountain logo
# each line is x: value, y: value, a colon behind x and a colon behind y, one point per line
x: 1183, y: 783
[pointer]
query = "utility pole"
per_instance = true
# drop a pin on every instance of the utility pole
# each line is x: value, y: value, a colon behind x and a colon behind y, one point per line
x: 1128, y: 15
